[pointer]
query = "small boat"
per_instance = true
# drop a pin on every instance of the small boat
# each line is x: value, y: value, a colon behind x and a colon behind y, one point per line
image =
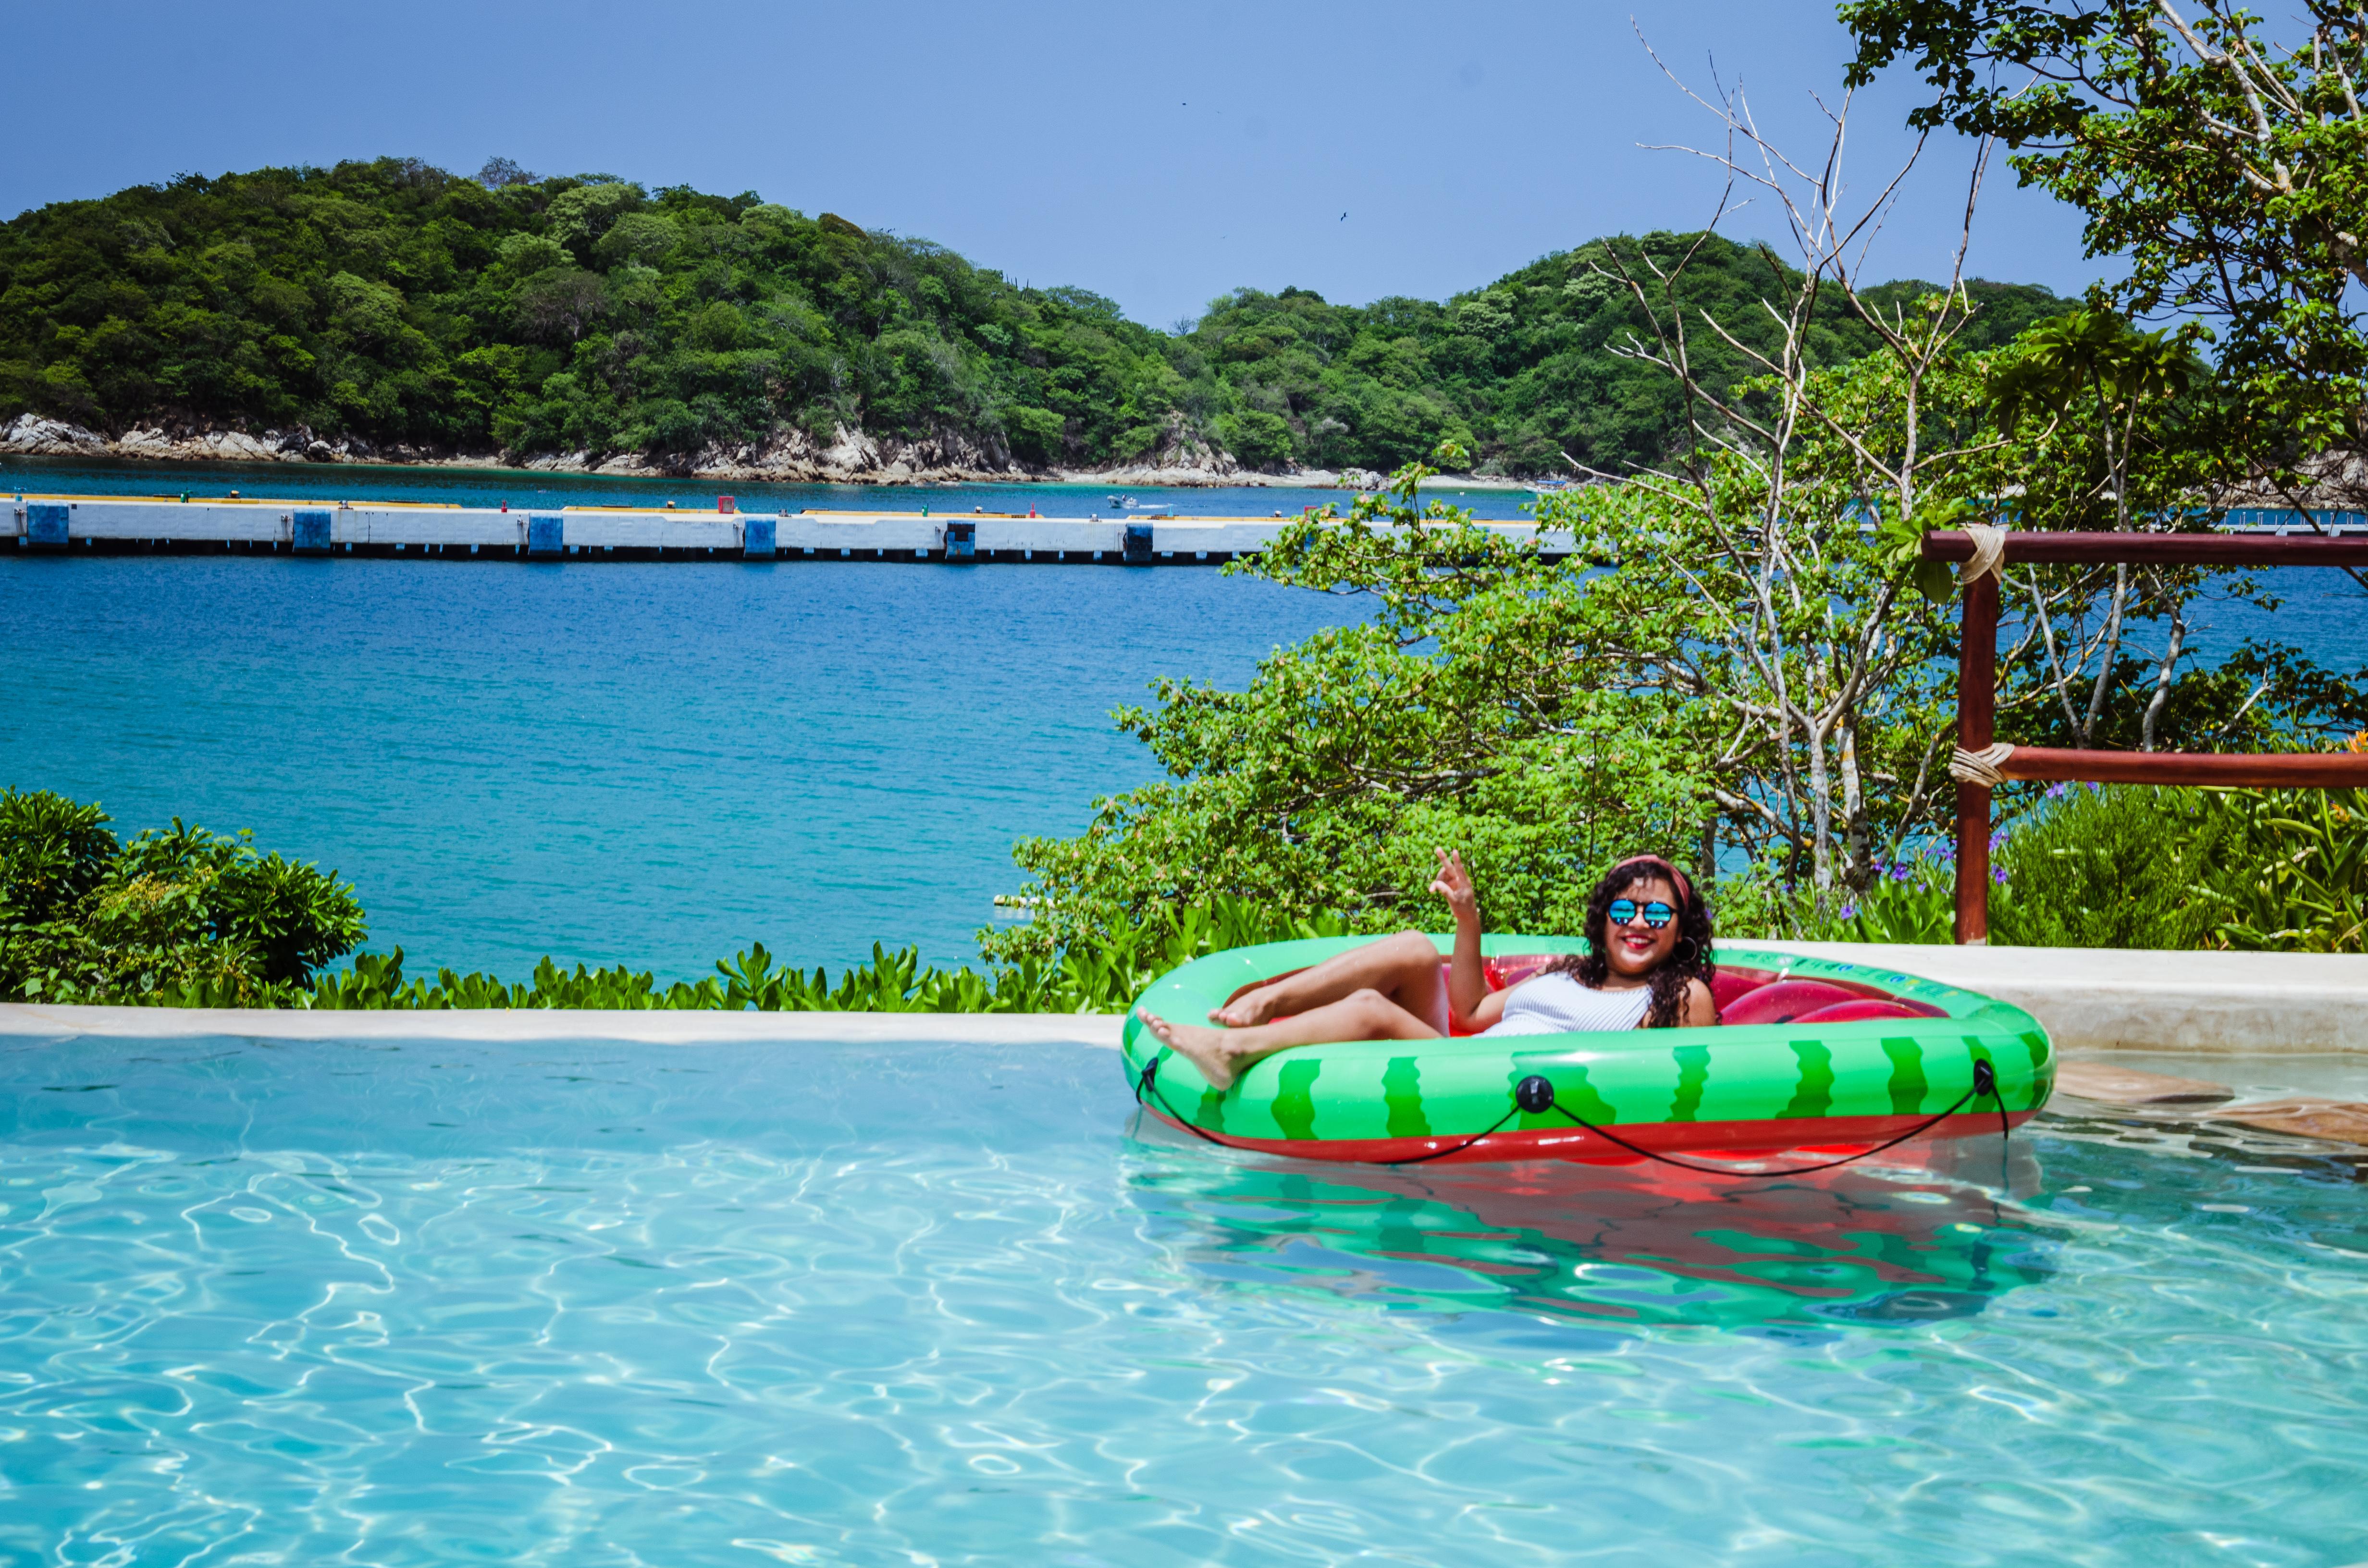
x: 1815, y: 1060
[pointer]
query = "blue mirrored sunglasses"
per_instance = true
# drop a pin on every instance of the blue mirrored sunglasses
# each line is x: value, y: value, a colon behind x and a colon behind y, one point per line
x: 1624, y: 911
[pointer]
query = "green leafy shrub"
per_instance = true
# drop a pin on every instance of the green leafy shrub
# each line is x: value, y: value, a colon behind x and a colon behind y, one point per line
x: 2292, y: 871
x: 1103, y: 977
x: 180, y: 915
x: 2130, y: 867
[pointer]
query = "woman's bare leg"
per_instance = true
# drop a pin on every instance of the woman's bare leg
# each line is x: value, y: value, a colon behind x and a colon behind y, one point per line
x: 1222, y: 1054
x: 1404, y: 968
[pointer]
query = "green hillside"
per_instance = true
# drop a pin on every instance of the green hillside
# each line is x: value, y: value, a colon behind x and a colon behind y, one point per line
x: 400, y: 304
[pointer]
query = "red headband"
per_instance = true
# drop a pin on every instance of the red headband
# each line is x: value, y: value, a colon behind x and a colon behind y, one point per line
x: 1676, y: 877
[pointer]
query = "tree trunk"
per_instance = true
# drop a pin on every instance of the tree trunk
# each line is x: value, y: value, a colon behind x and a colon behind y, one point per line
x: 2164, y: 677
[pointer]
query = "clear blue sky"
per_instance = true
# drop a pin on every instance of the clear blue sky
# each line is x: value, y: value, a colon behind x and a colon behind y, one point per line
x: 1157, y: 154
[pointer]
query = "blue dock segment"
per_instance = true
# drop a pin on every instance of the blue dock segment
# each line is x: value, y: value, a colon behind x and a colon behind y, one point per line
x: 757, y: 537
x: 308, y: 532
x: 546, y: 535
x: 45, y: 526
x: 962, y: 541
x: 1138, y: 544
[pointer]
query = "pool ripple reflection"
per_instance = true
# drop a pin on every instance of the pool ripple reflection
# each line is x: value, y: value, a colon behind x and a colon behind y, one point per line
x: 1622, y: 1244
x: 599, y: 1304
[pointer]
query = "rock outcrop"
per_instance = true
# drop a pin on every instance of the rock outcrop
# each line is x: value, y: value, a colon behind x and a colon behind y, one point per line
x: 789, y: 455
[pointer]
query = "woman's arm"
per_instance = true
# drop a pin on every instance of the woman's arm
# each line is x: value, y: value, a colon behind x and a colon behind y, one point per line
x: 1700, y: 1009
x: 1467, y: 982
x: 1491, y: 1011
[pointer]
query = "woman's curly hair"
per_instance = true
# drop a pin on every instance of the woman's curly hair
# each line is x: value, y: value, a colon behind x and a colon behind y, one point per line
x: 1691, y: 959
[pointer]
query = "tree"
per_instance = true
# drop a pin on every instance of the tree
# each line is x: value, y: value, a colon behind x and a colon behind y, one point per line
x: 1461, y: 714
x: 2227, y: 165
x: 1725, y: 649
x: 2093, y: 368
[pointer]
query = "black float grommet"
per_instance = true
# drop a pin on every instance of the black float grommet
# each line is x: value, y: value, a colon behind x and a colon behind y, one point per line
x: 1533, y: 1095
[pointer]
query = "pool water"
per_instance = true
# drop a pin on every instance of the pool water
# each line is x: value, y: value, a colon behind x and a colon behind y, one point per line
x: 398, y: 1303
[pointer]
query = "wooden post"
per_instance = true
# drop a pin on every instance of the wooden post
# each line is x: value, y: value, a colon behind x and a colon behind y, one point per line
x: 1976, y: 714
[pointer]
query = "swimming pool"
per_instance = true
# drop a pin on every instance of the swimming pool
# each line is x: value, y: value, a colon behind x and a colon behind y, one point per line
x: 403, y: 1303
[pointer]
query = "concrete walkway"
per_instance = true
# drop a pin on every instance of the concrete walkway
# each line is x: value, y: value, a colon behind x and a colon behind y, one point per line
x: 2115, y: 999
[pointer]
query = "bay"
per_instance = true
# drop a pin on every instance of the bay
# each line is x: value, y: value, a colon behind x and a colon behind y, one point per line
x: 655, y: 764
x: 644, y: 764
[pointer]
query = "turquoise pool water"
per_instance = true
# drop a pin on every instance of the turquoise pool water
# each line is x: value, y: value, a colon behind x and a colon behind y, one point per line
x: 395, y: 1304
x: 649, y: 765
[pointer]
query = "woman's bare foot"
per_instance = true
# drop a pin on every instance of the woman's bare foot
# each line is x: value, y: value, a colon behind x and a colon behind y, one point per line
x: 1205, y: 1049
x: 1254, y: 1006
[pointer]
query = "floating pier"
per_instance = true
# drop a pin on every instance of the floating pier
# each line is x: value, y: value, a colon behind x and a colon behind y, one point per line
x: 173, y: 524
x: 212, y: 526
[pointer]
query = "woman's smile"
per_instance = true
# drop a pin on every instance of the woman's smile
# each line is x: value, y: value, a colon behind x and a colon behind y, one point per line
x: 1638, y: 948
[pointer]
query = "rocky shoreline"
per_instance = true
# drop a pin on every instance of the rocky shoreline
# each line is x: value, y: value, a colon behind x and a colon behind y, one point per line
x: 792, y: 457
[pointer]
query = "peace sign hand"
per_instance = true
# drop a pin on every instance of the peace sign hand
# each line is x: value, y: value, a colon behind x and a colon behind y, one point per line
x: 1454, y: 884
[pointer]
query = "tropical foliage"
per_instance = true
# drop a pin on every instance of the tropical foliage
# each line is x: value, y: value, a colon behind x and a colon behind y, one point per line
x: 1738, y: 652
x: 2221, y: 157
x: 2270, y: 870
x: 1527, y: 374
x: 396, y: 303
x: 187, y: 917
x: 169, y: 915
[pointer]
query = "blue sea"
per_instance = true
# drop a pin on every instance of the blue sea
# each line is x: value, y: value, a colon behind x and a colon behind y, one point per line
x: 654, y: 764
x: 642, y: 764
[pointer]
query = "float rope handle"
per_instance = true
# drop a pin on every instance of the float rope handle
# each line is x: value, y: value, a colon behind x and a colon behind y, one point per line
x: 1535, y: 1094
x: 1148, y: 1083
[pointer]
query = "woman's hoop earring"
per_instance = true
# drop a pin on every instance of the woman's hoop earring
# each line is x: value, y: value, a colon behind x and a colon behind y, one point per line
x: 1692, y: 950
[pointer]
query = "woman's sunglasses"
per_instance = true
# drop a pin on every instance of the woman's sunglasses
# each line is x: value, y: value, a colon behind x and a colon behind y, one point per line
x: 1624, y: 911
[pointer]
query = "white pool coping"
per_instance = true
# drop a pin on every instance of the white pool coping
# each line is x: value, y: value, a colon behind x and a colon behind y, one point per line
x: 2087, y: 999
x: 2118, y: 999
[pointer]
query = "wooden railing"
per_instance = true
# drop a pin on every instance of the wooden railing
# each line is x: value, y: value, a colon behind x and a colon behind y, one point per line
x: 1981, y: 763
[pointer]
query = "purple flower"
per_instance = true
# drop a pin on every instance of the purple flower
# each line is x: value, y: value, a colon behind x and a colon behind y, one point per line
x: 2058, y: 791
x: 1998, y: 875
x: 1849, y: 912
x: 1996, y: 837
x: 1900, y: 872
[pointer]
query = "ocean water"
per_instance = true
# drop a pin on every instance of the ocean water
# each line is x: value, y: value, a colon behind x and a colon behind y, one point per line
x: 656, y: 764
x: 422, y: 1303
x: 650, y: 764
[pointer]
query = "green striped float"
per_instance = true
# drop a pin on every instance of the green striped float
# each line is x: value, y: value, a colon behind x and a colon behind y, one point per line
x: 1830, y: 1058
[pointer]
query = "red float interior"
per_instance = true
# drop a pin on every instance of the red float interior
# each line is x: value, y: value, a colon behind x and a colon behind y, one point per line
x: 1752, y: 996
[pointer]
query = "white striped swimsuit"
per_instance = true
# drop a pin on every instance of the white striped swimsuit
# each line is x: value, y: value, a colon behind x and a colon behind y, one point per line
x: 1555, y: 1004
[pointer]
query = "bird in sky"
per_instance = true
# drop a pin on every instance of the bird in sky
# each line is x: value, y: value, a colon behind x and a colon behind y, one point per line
x: 1344, y: 217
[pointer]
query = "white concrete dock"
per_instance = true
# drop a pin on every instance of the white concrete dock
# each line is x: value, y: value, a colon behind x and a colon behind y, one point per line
x: 74, y: 524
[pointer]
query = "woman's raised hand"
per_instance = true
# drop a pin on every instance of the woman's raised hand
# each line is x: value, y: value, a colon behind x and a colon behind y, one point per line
x: 1454, y: 884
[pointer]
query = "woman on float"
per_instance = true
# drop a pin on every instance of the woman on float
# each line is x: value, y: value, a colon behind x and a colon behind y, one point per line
x: 1647, y: 966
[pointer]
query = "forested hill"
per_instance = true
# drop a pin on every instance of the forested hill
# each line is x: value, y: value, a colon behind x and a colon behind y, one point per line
x: 394, y: 305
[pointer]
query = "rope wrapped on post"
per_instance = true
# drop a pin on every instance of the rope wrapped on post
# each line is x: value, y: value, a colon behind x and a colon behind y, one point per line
x: 1980, y: 766
x: 1989, y: 553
